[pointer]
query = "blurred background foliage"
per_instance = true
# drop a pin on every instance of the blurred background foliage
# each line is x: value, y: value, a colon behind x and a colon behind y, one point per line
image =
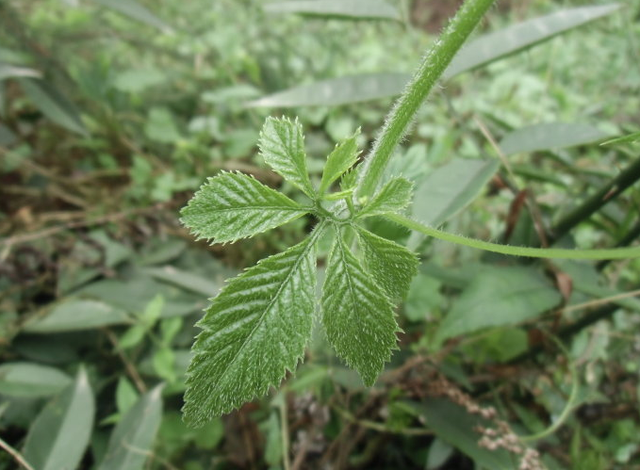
x: 112, y: 112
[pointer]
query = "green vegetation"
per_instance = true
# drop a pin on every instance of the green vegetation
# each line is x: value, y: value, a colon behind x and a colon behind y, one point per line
x: 114, y: 113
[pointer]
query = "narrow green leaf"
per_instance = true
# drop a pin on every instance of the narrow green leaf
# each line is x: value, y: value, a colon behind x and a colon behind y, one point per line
x: 60, y: 434
x: 343, y: 157
x: 625, y: 139
x: 53, y: 104
x: 337, y: 91
x: 477, y: 53
x: 393, y: 197
x: 126, y: 395
x: 74, y: 315
x: 282, y: 147
x: 347, y: 9
x: 136, y: 11
x: 15, y: 71
x: 133, y: 437
x: 253, y: 332
x: 356, y: 314
x: 391, y: 265
x: 499, y: 44
x: 184, y: 279
x: 499, y: 296
x: 548, y: 136
x: 26, y: 379
x: 232, y: 206
x: 450, y: 188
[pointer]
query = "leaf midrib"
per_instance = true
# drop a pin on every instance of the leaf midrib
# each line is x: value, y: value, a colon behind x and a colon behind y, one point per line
x: 294, y: 267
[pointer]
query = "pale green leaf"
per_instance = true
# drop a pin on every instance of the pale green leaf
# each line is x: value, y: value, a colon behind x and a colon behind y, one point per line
x: 625, y: 139
x: 26, y: 379
x: 153, y: 310
x: 53, y: 104
x: 343, y: 157
x: 496, y: 45
x: 253, y: 332
x: 347, y: 9
x: 60, y: 434
x: 356, y: 314
x: 15, y: 71
x: 184, y: 279
x: 133, y: 437
x: 163, y: 363
x: 448, y: 190
x: 337, y: 91
x: 74, y: 314
x: 126, y: 395
x: 391, y: 265
x: 231, y: 206
x: 282, y: 147
x: 499, y: 296
x: 477, y: 53
x: 393, y: 197
x: 136, y: 11
x: 549, y: 136
x: 132, y: 337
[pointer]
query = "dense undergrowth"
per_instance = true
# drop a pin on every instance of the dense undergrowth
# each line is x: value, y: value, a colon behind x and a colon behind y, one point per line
x: 111, y: 117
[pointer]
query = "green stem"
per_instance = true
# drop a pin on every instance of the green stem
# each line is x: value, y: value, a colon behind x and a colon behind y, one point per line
x: 571, y: 402
x: 432, y: 67
x: 554, y: 253
x: 606, y: 193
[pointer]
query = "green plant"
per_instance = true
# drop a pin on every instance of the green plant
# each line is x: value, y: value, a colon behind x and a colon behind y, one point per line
x: 256, y: 329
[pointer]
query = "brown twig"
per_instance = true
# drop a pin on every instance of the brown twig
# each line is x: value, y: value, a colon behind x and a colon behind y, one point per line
x: 131, y: 370
x: 15, y: 454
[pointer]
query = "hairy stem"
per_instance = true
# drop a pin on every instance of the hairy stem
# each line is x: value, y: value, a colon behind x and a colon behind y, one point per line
x: 431, y: 69
x: 554, y: 253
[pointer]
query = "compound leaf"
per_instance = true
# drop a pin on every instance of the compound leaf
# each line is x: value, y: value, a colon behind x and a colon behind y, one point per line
x: 253, y: 332
x: 343, y: 157
x: 231, y: 206
x: 393, y: 197
x: 357, y: 315
x: 391, y: 265
x: 282, y: 147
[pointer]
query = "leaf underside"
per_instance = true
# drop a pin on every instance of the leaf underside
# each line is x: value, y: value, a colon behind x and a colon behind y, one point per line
x: 254, y: 331
x: 232, y: 206
x: 282, y: 147
x: 357, y: 316
x: 391, y: 265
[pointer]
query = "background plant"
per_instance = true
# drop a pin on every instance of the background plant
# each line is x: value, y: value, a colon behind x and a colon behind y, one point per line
x: 93, y: 240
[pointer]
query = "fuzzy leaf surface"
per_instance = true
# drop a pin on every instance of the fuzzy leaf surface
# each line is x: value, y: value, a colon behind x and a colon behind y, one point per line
x: 393, y: 197
x: 282, y: 147
x: 343, y: 157
x: 391, y: 265
x: 254, y: 331
x: 357, y: 315
x: 232, y: 206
